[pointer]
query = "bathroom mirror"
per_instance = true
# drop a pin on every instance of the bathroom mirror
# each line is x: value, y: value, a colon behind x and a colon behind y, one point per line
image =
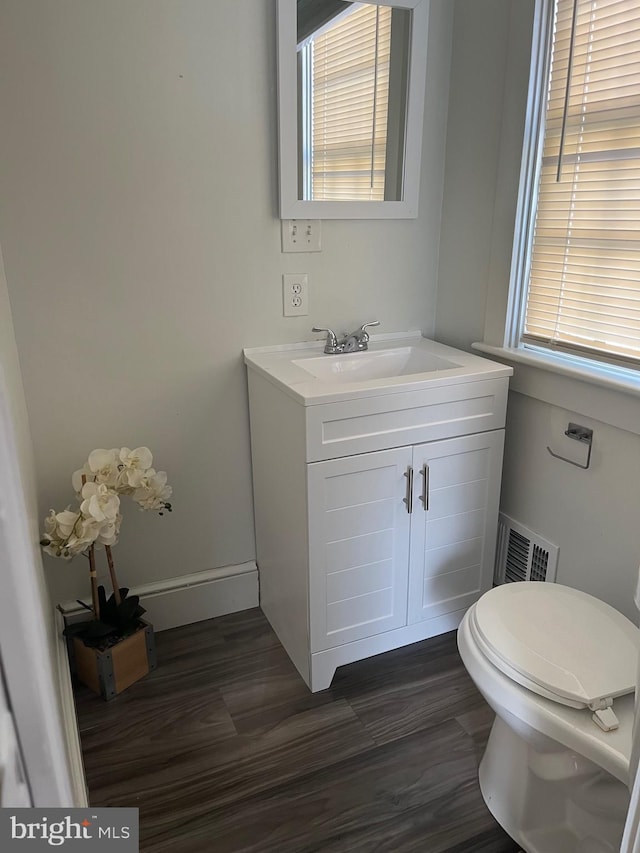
x: 351, y: 88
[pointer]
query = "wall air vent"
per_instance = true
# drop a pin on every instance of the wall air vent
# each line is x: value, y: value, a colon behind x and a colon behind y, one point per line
x: 523, y: 555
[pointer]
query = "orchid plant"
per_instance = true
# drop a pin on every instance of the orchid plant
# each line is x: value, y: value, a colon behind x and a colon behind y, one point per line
x: 105, y: 476
x: 99, y: 484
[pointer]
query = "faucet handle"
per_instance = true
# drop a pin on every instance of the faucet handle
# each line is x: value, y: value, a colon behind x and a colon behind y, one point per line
x: 331, y: 345
x: 363, y: 335
x: 331, y: 335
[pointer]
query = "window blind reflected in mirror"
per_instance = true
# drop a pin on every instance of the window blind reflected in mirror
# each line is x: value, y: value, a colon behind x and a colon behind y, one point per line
x: 352, y: 104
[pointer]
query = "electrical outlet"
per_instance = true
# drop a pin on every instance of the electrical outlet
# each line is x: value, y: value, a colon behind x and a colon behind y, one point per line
x: 295, y: 299
x: 300, y: 235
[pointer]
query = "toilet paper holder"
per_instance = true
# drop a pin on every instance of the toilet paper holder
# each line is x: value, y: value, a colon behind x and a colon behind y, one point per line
x: 578, y: 433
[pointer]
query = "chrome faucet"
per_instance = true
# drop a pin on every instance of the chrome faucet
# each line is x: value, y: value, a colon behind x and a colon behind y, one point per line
x: 357, y: 341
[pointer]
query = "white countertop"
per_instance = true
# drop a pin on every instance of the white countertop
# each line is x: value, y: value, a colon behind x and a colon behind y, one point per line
x: 281, y: 366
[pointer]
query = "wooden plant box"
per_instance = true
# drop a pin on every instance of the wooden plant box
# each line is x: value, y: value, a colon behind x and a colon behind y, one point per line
x: 118, y: 667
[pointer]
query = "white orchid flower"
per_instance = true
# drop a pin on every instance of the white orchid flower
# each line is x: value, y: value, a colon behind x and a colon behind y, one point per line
x: 50, y: 523
x: 153, y: 491
x: 136, y: 463
x: 99, y: 502
x: 52, y: 541
x: 68, y: 533
x: 108, y: 534
x: 104, y: 466
x: 65, y: 522
x: 86, y: 532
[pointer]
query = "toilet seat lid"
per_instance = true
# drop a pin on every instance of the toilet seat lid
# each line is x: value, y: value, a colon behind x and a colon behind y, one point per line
x: 558, y: 641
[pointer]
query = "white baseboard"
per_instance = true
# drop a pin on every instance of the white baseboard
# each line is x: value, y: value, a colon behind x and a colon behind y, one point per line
x: 191, y: 598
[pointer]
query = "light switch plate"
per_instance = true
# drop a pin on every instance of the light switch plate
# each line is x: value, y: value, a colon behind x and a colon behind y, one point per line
x: 300, y: 235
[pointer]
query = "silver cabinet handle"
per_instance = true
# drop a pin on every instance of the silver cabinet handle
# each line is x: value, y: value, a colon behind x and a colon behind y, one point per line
x: 424, y: 497
x: 408, y: 500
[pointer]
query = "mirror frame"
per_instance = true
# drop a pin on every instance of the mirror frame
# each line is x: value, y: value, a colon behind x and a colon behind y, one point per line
x: 291, y: 207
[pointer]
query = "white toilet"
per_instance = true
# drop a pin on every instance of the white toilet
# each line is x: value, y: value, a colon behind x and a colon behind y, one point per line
x: 559, y: 669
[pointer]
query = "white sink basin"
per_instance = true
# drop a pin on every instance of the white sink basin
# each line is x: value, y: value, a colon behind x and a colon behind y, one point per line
x: 404, y: 361
x: 380, y: 364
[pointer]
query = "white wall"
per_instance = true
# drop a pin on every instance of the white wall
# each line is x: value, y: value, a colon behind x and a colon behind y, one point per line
x: 142, y: 250
x: 480, y: 48
x: 592, y: 515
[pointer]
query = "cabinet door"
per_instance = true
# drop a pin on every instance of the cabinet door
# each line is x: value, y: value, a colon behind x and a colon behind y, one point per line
x: 358, y: 546
x: 453, y: 530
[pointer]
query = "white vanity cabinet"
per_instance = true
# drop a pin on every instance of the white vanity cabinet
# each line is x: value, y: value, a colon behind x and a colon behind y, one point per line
x: 375, y: 566
x: 376, y: 513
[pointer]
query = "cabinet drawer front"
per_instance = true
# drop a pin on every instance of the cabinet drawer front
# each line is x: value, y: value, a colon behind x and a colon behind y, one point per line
x: 358, y: 547
x: 396, y: 420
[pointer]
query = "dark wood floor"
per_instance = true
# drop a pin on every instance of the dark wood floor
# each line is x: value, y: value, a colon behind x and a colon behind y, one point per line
x: 223, y: 748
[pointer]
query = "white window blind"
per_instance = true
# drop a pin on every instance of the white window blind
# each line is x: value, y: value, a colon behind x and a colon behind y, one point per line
x: 350, y: 90
x: 584, y: 267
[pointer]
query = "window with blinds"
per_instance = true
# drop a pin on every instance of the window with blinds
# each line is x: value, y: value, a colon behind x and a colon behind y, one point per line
x: 583, y: 293
x: 348, y: 87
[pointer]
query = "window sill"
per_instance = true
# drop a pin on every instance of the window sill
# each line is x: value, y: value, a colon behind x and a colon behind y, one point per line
x: 607, y: 395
